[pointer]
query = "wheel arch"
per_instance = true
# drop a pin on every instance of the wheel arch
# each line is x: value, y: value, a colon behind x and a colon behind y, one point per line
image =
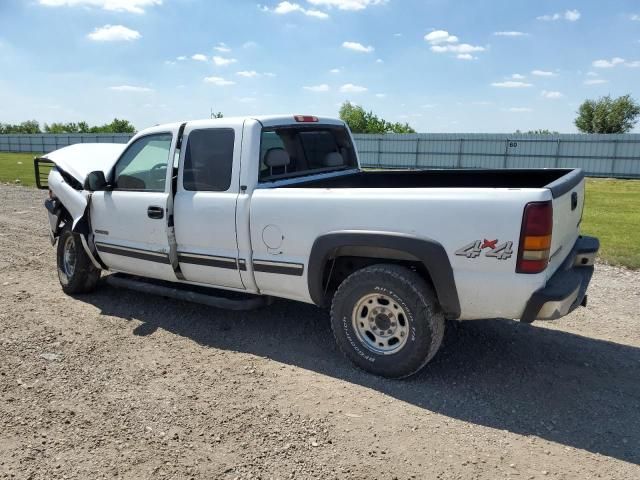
x: 384, y: 245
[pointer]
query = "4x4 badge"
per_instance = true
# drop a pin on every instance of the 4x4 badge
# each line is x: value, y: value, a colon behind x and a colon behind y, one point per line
x: 475, y: 248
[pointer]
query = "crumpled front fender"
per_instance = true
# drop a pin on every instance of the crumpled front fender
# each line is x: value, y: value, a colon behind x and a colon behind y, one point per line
x: 74, y: 201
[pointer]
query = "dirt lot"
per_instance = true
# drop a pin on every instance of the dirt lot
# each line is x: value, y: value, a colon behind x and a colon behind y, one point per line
x: 119, y: 385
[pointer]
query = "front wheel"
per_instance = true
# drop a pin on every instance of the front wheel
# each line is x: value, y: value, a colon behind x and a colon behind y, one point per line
x: 387, y: 321
x: 76, y: 272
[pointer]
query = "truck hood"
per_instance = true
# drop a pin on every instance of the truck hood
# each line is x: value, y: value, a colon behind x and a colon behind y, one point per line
x: 83, y: 158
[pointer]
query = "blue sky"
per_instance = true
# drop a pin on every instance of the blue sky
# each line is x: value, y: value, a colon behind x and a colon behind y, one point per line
x: 441, y: 65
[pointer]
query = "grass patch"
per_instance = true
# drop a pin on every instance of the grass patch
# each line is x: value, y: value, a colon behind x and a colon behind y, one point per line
x: 17, y: 166
x: 612, y: 212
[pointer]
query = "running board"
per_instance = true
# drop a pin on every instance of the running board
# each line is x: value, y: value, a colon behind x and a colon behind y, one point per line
x: 226, y: 300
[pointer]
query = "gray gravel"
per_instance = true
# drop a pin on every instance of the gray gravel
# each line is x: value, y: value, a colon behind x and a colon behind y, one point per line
x: 115, y: 384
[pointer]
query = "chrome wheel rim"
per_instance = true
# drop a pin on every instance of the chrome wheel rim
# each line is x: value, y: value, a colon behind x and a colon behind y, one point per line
x: 380, y: 323
x: 69, y: 257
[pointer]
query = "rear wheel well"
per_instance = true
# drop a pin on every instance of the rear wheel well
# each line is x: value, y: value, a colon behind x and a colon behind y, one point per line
x: 344, y: 261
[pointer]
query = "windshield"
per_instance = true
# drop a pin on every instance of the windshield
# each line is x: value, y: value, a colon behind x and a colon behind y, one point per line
x: 293, y: 151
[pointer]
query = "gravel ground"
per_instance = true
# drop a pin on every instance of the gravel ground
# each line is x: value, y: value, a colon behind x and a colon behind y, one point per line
x: 119, y: 385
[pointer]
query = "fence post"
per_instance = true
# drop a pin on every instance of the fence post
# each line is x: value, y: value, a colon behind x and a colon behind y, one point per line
x: 459, y: 161
x: 615, y: 155
x: 557, y: 159
x: 417, y: 151
x: 42, y: 140
x: 379, y: 151
x: 506, y: 153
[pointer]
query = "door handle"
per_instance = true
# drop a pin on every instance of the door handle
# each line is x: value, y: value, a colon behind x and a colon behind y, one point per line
x: 155, y: 212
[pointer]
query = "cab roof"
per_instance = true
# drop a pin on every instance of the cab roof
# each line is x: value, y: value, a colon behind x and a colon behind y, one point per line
x: 265, y: 120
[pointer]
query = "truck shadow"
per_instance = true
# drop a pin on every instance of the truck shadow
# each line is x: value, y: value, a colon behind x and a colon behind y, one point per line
x: 577, y: 391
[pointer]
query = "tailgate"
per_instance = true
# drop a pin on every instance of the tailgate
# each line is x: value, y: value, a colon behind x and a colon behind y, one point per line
x: 568, y: 202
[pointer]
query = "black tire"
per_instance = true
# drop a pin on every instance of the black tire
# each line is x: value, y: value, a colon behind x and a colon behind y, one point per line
x: 80, y: 275
x: 409, y: 294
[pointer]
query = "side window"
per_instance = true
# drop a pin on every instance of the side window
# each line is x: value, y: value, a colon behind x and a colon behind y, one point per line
x: 208, y: 160
x: 143, y: 166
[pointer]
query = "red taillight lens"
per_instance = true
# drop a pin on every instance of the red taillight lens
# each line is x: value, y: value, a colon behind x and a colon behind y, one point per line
x: 535, y: 237
x: 306, y: 119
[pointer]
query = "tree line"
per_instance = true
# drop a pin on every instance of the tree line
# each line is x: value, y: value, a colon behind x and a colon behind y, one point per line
x: 33, y: 126
x: 603, y: 115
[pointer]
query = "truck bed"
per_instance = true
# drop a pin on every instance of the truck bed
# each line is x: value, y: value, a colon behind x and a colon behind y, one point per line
x: 555, y: 179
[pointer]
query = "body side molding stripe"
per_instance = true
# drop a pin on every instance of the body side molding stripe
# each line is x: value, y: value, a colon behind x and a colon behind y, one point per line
x: 147, y: 255
x: 283, y: 268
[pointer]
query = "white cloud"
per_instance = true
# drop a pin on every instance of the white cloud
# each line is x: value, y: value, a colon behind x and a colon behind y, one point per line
x: 219, y: 81
x: 222, y: 48
x: 569, y: 15
x: 511, y: 84
x: 347, y: 4
x: 248, y: 74
x: 634, y: 64
x: 269, y: 74
x: 635, y: 17
x: 222, y: 61
x: 381, y: 95
x: 284, y: 8
x: 351, y: 88
x: 440, y: 36
x: 397, y: 34
x: 379, y: 60
x: 131, y: 6
x: 113, y: 33
x: 198, y: 57
x: 520, y: 109
x: 595, y: 81
x: 442, y: 41
x: 551, y: 95
x: 335, y: 70
x: 246, y: 99
x: 517, y: 76
x: 131, y: 88
x: 181, y: 58
x: 317, y: 88
x: 457, y: 48
x: 357, y: 47
x: 543, y: 73
x: 510, y: 34
x: 592, y: 74
x: 608, y: 63
x: 572, y: 15
x: 250, y: 44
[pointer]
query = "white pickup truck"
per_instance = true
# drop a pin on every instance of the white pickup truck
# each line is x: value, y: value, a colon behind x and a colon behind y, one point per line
x: 278, y: 206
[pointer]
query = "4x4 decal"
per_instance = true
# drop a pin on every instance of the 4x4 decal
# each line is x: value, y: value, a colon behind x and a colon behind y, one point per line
x: 476, y: 248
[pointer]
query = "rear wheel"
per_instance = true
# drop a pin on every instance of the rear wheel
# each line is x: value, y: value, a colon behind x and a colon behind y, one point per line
x: 387, y: 321
x: 76, y: 272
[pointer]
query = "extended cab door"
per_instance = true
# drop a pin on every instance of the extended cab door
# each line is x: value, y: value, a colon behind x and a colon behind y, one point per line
x: 205, y: 204
x: 129, y: 222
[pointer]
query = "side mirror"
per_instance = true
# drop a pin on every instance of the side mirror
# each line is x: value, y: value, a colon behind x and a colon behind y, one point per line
x: 95, y: 181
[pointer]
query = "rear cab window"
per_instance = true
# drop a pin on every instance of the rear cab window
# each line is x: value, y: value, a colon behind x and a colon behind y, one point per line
x: 208, y: 161
x: 294, y: 150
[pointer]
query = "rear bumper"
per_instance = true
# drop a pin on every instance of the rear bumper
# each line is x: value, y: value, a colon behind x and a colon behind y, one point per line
x: 567, y: 288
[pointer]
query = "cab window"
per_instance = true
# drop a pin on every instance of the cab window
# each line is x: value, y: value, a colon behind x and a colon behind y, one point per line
x: 143, y: 166
x: 292, y: 151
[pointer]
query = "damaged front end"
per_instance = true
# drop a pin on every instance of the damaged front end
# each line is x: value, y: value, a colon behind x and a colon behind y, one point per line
x: 65, y: 171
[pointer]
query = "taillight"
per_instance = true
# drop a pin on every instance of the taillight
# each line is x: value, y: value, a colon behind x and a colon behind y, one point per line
x: 535, y: 237
x: 305, y: 119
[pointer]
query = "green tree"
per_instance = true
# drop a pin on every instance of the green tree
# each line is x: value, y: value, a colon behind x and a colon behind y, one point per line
x: 540, y: 131
x: 608, y: 115
x: 30, y: 126
x: 361, y: 121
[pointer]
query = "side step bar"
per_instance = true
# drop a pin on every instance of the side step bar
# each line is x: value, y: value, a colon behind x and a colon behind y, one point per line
x: 205, y: 296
